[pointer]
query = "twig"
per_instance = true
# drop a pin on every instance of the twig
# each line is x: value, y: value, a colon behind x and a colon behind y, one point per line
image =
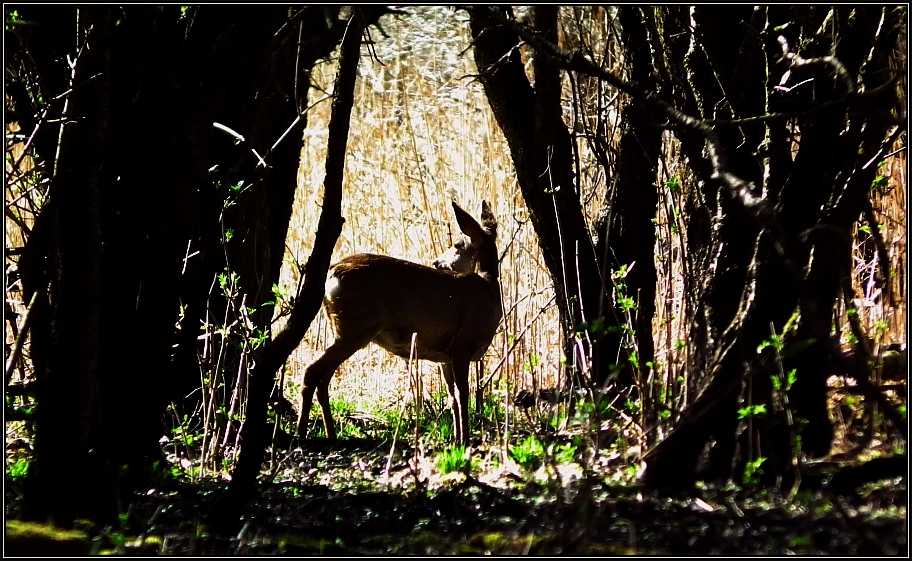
x: 20, y: 340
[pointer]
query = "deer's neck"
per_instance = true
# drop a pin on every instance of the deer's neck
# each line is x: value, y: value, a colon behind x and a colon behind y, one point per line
x: 492, y: 284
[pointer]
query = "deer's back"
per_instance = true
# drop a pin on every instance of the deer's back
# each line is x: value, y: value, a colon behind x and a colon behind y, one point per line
x: 388, y: 299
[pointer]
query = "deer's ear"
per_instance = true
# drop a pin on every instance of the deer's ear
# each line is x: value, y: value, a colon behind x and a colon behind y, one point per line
x: 468, y: 225
x: 487, y: 219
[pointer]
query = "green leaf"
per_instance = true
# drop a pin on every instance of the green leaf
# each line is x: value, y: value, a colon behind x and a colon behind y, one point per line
x: 758, y: 410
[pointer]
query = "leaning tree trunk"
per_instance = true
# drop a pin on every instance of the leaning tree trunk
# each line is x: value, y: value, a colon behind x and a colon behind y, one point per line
x: 307, y: 304
x: 270, y: 118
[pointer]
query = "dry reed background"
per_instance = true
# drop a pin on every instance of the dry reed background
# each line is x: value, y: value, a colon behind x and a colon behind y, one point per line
x: 421, y: 135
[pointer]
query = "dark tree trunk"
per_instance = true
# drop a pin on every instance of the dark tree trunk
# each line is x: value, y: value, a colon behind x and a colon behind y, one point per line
x: 64, y: 452
x: 530, y: 119
x: 630, y: 239
x: 143, y: 160
x: 150, y: 198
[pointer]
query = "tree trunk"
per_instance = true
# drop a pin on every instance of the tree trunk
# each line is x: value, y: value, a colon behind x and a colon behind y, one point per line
x: 630, y: 239
x: 540, y: 145
x: 149, y: 209
x: 260, y: 215
x: 67, y: 394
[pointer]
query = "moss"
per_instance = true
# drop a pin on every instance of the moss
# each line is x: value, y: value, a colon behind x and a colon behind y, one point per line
x: 33, y: 539
x: 296, y: 545
x: 499, y: 543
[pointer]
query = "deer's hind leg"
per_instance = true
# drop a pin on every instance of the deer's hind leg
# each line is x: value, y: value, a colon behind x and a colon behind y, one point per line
x: 317, y: 377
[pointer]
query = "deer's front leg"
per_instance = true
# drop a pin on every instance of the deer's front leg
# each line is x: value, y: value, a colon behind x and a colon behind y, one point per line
x: 458, y: 386
x: 323, y: 399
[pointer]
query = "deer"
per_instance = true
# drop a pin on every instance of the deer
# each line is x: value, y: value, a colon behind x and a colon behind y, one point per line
x: 454, y: 308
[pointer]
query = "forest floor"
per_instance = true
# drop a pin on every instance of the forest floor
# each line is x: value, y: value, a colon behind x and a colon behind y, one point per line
x: 350, y: 498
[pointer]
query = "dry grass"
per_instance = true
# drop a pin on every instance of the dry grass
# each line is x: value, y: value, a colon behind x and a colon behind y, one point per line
x: 882, y: 304
x: 23, y: 197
